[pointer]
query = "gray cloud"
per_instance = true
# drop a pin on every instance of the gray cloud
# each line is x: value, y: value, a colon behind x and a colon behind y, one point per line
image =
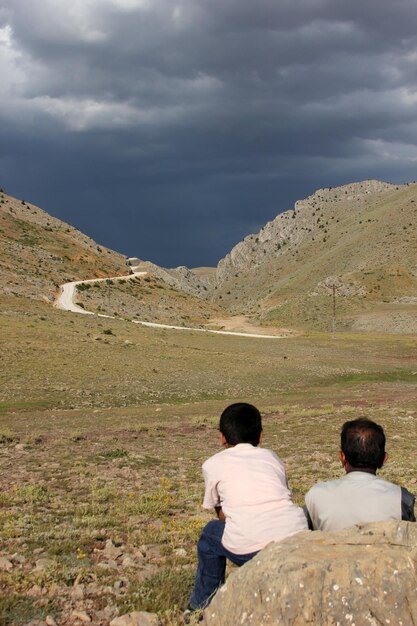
x: 170, y: 129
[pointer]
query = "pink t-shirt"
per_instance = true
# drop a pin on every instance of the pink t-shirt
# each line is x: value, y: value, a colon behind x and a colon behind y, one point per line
x: 250, y: 485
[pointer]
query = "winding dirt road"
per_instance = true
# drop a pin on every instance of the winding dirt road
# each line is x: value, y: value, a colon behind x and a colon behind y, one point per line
x: 65, y: 302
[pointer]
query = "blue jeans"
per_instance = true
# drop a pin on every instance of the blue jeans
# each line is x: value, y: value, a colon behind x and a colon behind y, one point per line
x: 211, y: 567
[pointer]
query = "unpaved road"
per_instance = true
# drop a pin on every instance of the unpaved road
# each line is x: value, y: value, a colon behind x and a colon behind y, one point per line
x: 65, y: 302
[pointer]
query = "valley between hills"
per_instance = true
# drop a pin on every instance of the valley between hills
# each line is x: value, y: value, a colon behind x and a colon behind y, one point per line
x: 104, y: 423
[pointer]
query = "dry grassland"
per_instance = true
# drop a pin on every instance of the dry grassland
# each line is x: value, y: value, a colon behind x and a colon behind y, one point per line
x: 362, y: 241
x: 147, y: 298
x: 103, y: 429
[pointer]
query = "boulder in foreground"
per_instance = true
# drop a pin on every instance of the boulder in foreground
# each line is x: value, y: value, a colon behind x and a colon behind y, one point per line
x: 357, y: 576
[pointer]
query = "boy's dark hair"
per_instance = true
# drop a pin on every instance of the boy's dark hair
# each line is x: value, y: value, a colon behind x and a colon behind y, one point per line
x: 363, y: 443
x: 241, y: 423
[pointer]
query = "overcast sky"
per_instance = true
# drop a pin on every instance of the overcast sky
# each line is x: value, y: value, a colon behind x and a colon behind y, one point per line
x: 170, y: 129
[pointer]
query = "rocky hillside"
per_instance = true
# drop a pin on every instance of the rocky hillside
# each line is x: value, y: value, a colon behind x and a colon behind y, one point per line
x: 148, y: 298
x: 360, y: 238
x: 39, y: 252
x: 358, y: 241
x: 197, y: 282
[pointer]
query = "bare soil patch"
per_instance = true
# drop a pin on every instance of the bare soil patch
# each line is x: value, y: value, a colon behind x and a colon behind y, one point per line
x: 242, y: 323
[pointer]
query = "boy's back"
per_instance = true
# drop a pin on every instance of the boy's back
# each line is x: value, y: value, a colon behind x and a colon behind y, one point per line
x: 250, y: 485
x: 247, y: 487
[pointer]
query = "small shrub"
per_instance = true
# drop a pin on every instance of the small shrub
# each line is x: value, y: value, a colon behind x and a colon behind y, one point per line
x: 7, y: 436
x: 161, y: 592
x: 117, y: 453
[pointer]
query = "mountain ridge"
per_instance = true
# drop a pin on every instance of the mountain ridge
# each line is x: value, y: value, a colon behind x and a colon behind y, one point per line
x: 360, y: 237
x: 282, y: 230
x: 357, y: 241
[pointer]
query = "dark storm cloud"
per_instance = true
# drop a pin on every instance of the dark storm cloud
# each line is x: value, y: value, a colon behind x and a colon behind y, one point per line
x: 170, y: 129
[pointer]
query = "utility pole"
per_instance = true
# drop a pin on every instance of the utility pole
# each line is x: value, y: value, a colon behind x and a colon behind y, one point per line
x: 108, y: 295
x: 334, y: 312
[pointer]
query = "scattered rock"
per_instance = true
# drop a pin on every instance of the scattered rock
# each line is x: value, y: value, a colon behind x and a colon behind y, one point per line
x: 82, y: 616
x: 34, y: 591
x: 128, y: 562
x: 5, y: 564
x: 50, y: 620
x: 43, y: 563
x: 140, y: 553
x: 111, y: 551
x: 18, y: 558
x: 137, y: 618
x: 94, y: 589
x: 121, y: 585
x: 107, y: 613
x: 360, y: 575
x: 78, y: 592
x: 180, y: 552
x: 153, y: 552
x: 110, y: 564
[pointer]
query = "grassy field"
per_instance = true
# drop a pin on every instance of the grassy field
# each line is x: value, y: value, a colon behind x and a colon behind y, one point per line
x: 103, y: 429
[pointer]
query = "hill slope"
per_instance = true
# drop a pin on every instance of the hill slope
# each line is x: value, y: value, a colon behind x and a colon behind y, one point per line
x: 361, y: 237
x: 39, y: 252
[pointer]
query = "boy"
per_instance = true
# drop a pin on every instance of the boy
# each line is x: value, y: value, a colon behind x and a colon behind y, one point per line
x: 248, y: 489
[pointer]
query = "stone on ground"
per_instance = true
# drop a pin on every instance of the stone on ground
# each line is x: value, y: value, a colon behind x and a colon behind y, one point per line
x: 365, y: 575
x: 136, y: 618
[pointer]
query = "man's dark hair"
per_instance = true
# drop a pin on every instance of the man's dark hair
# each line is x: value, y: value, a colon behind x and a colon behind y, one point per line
x: 241, y: 423
x: 363, y: 443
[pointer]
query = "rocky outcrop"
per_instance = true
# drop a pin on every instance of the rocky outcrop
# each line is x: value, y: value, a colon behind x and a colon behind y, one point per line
x: 362, y: 575
x: 195, y: 283
x: 295, y: 226
x: 346, y: 287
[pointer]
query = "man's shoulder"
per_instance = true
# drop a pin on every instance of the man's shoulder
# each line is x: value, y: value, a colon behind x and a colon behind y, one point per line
x: 326, y: 485
x: 349, y: 480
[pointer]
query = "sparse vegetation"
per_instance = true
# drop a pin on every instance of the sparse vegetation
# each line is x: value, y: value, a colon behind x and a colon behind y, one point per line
x: 342, y: 249
x: 157, y: 301
x: 31, y: 252
x: 104, y: 510
x: 104, y: 424
x: 83, y: 287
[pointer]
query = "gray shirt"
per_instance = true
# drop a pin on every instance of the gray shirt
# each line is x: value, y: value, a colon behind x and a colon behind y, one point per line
x: 357, y: 497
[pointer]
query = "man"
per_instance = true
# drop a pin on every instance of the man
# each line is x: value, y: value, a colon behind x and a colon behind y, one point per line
x: 360, y: 496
